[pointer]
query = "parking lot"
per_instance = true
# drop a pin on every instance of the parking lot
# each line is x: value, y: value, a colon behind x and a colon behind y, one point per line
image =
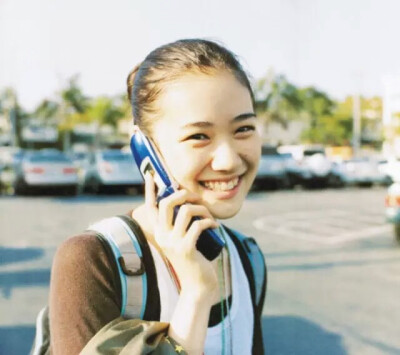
x: 334, y: 268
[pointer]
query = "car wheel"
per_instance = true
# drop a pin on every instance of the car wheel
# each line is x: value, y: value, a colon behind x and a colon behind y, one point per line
x: 71, y: 191
x: 285, y: 183
x: 397, y: 232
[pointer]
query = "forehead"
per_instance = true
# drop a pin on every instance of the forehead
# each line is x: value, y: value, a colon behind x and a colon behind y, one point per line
x: 199, y: 97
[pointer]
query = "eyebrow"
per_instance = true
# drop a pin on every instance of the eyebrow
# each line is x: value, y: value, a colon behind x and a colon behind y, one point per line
x: 205, y: 124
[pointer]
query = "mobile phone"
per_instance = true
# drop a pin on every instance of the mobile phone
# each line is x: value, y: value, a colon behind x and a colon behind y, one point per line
x: 147, y: 159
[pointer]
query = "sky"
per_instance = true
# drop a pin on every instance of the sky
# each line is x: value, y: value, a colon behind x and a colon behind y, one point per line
x: 340, y: 46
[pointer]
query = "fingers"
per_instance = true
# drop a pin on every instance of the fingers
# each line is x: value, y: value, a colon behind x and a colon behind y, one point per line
x: 186, y: 214
x: 150, y: 198
x: 150, y: 190
x: 197, y: 227
x: 166, y: 206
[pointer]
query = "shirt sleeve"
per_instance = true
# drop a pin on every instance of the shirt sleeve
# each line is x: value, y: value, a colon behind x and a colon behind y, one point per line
x: 83, y: 293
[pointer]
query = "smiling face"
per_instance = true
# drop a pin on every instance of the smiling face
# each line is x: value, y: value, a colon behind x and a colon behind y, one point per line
x: 207, y: 136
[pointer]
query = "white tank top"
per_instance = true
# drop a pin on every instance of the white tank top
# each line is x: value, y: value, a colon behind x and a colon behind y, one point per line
x: 241, y: 310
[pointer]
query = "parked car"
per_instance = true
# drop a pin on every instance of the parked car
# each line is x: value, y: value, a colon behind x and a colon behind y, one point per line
x: 364, y: 172
x: 317, y: 170
x: 296, y: 172
x: 46, y: 169
x: 112, y: 168
x: 320, y: 168
x: 390, y: 168
x: 271, y: 170
x: 392, y: 203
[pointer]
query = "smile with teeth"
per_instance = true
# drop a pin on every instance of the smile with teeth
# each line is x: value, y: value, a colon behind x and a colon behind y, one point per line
x: 221, y: 185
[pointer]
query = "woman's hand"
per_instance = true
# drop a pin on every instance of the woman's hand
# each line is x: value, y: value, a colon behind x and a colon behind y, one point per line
x: 177, y: 240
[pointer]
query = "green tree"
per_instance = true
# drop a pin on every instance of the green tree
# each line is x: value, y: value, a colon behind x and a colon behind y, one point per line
x: 334, y: 126
x: 104, y: 110
x: 47, y: 111
x: 315, y: 104
x: 277, y: 100
x: 318, y: 107
x: 73, y: 97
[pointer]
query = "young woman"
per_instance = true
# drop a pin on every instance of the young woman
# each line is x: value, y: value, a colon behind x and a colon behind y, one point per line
x: 194, y: 101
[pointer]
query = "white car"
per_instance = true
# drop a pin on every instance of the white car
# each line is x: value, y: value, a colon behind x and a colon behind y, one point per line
x: 392, y: 211
x: 112, y: 168
x: 45, y: 170
x: 390, y: 168
x: 317, y: 169
x: 363, y: 172
x: 297, y: 172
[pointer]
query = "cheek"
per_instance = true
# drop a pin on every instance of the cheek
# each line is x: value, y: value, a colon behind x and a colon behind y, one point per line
x: 184, y: 164
x: 251, y: 152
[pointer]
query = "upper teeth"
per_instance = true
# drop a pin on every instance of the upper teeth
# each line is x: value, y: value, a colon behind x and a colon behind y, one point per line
x: 221, y: 186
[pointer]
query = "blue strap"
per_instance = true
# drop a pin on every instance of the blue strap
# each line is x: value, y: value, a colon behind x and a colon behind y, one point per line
x: 257, y: 262
x: 128, y: 255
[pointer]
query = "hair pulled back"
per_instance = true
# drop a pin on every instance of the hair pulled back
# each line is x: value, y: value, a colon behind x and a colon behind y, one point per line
x: 171, y: 61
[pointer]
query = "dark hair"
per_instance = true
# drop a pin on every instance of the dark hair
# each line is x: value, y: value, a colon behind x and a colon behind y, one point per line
x: 171, y: 61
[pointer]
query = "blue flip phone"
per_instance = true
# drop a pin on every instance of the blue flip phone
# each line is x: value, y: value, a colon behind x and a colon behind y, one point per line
x: 209, y: 243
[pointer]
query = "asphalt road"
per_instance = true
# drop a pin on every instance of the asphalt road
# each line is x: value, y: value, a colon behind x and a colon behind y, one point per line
x: 333, y: 266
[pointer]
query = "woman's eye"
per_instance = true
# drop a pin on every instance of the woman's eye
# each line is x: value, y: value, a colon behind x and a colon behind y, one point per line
x: 197, y: 136
x: 244, y: 129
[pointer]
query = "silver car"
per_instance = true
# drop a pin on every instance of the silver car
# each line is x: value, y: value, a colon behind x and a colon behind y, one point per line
x: 363, y: 172
x: 45, y: 170
x: 112, y: 168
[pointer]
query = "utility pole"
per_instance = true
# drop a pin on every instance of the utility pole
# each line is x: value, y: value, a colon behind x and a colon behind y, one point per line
x: 356, y: 125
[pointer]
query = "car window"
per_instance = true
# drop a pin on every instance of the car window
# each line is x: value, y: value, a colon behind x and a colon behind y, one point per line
x: 267, y: 150
x: 310, y: 152
x: 113, y: 156
x: 79, y: 155
x: 48, y: 158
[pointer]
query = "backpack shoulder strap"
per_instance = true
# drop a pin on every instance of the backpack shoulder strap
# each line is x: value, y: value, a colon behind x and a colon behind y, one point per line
x: 41, y: 342
x: 250, y: 248
x: 129, y: 259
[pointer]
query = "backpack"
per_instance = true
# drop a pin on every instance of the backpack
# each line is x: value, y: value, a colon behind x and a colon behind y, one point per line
x: 128, y: 252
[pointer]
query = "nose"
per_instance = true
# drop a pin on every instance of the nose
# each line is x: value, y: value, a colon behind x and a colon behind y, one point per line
x: 226, y: 158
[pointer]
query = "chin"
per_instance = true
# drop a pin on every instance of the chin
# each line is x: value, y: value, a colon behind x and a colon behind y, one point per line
x: 224, y: 211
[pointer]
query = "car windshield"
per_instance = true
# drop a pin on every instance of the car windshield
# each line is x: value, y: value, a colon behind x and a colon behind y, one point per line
x: 359, y: 160
x: 116, y: 156
x: 79, y: 155
x: 53, y: 158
